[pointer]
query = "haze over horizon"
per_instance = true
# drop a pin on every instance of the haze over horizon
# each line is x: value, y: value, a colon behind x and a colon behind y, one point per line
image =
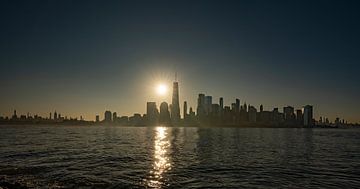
x: 82, y: 58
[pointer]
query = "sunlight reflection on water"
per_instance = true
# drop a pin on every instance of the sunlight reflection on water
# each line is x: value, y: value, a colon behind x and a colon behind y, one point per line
x: 161, y: 162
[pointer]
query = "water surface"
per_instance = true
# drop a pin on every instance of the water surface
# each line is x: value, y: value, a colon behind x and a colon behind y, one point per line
x: 160, y: 157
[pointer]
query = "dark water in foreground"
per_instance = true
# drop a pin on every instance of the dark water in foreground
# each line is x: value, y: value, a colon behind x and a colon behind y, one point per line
x: 118, y: 157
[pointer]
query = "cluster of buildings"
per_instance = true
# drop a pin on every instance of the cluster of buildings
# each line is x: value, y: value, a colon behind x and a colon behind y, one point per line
x: 54, y: 118
x: 207, y: 113
x: 168, y: 114
x: 236, y: 114
x: 210, y: 113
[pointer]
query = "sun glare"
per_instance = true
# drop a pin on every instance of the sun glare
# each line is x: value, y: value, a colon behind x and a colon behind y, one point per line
x: 161, y: 89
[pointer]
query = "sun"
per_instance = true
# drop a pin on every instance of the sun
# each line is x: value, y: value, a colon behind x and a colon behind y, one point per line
x: 161, y: 89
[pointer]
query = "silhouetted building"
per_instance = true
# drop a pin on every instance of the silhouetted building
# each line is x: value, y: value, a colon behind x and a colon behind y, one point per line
x: 215, y: 110
x: 261, y: 117
x: 124, y: 120
x: 55, y: 116
x: 152, y: 113
x: 221, y: 102
x: 299, y: 117
x: 114, y: 118
x: 175, y: 107
x: 237, y: 106
x: 164, y: 118
x: 227, y: 117
x: 289, y: 113
x: 185, y: 110
x: 201, y: 105
x: 327, y: 120
x: 14, y: 116
x: 136, y: 120
x: 244, y: 115
x: 191, y: 118
x: 276, y: 116
x: 308, y: 115
x: 97, y: 119
x: 337, y: 122
x: 107, y: 117
x: 265, y: 117
x: 191, y: 112
x: 252, y: 114
x: 23, y: 117
x: 208, y: 103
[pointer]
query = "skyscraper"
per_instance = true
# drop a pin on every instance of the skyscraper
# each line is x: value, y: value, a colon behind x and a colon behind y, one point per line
x: 299, y: 117
x: 289, y: 114
x: 152, y: 113
x: 185, y: 110
x: 14, y: 116
x: 215, y: 110
x: 175, y: 108
x: 164, y: 118
x: 252, y: 114
x: 200, y: 111
x: 237, y: 106
x: 107, y: 116
x: 308, y: 115
x: 221, y: 102
x: 114, y: 117
x: 233, y: 107
x: 208, y: 103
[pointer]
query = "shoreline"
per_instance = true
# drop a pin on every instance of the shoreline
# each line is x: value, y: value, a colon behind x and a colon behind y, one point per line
x: 180, y: 126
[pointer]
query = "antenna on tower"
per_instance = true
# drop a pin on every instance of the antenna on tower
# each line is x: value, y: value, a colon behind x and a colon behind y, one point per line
x: 175, y: 76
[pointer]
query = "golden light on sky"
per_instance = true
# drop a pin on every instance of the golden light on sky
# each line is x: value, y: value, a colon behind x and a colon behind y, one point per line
x: 161, y: 89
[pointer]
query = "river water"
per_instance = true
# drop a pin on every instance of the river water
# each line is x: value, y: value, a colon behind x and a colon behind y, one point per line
x: 178, y: 157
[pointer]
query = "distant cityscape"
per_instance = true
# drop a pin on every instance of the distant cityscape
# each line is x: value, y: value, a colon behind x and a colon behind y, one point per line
x: 207, y: 113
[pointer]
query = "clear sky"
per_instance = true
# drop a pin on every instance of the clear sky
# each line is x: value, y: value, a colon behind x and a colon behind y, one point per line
x: 84, y: 57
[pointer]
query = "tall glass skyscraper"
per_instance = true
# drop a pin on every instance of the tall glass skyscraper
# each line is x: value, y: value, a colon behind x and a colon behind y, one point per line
x: 175, y: 108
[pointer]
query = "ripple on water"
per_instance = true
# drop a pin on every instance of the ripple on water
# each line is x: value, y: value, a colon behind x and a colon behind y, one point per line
x: 117, y: 157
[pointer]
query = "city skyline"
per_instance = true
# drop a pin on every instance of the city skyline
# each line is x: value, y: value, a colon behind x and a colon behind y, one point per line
x: 87, y: 58
x: 207, y: 112
x: 175, y: 98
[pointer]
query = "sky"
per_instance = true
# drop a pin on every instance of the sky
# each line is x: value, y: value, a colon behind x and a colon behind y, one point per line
x: 81, y: 58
